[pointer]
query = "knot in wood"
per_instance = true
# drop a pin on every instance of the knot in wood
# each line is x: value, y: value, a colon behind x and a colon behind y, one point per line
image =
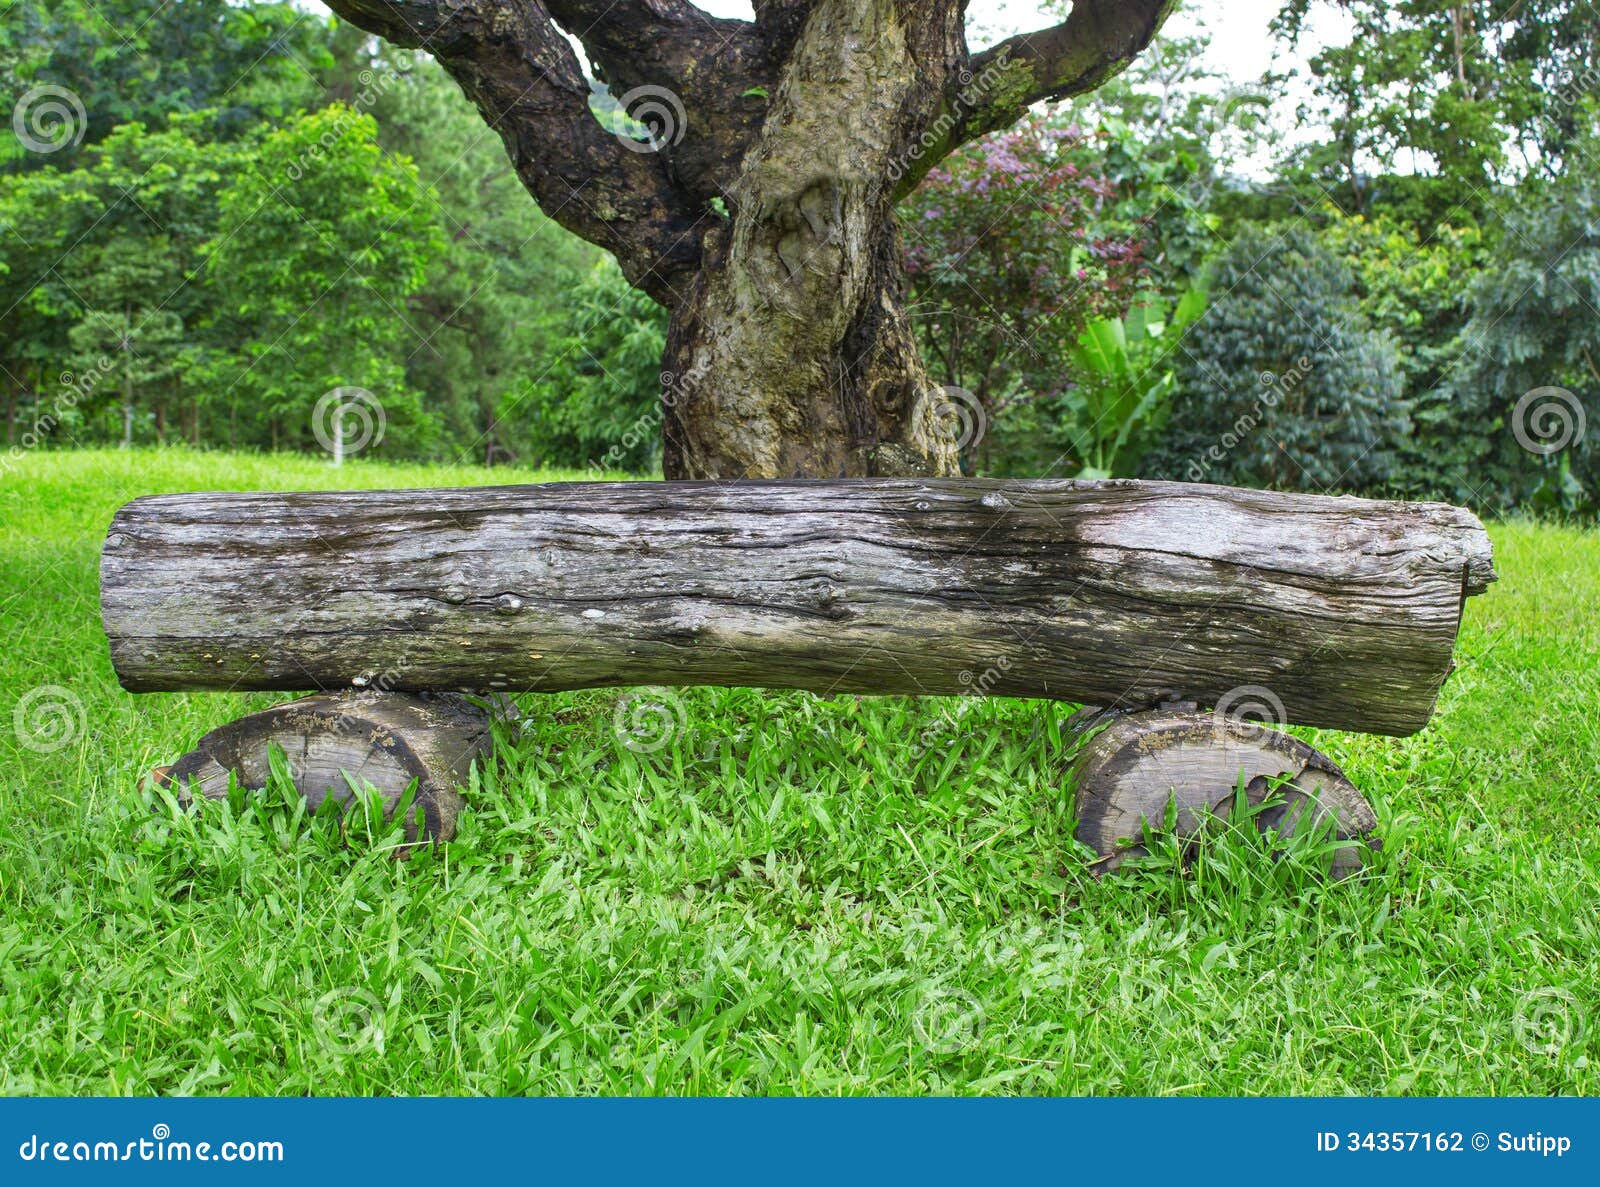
x: 456, y: 590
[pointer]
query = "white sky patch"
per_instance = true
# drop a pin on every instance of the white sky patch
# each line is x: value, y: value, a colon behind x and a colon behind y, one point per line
x: 1241, y: 46
x: 1241, y: 50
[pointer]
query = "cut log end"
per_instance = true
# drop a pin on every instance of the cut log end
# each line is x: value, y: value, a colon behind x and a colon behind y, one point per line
x: 386, y: 740
x: 1131, y: 766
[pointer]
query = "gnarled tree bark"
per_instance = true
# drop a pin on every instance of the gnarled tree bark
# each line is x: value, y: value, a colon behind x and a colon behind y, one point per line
x: 761, y: 209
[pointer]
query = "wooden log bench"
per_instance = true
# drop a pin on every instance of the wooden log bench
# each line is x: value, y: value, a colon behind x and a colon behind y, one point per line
x: 1130, y: 596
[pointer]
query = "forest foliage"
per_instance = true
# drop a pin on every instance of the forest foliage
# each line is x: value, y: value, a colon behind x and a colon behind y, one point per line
x: 214, y: 214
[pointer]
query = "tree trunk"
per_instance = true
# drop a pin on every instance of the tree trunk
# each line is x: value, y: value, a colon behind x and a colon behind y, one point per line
x: 793, y: 394
x: 127, y: 382
x: 1343, y: 611
x: 792, y: 355
x: 759, y: 209
x: 127, y: 409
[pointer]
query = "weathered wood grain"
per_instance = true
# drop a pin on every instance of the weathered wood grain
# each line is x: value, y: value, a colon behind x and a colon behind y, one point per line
x: 1119, y: 592
x: 383, y: 740
x: 1132, y: 766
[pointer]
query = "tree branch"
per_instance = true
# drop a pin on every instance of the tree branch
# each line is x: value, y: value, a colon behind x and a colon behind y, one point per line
x: 1097, y: 41
x: 779, y: 22
x: 512, y: 61
x: 718, y: 72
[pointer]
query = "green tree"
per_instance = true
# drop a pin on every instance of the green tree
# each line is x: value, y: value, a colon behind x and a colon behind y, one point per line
x: 1283, y: 382
x: 123, y: 328
x: 504, y: 292
x: 119, y: 236
x: 1174, y: 133
x: 104, y: 242
x: 37, y: 212
x: 324, y: 237
x: 1010, y: 250
x: 1527, y: 386
x: 598, y: 403
x: 138, y: 263
x: 1467, y: 92
x: 119, y: 62
x: 135, y: 344
x: 1410, y: 287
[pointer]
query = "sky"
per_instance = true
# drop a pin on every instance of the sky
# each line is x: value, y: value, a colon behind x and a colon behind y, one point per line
x: 1240, y: 51
x: 1241, y: 48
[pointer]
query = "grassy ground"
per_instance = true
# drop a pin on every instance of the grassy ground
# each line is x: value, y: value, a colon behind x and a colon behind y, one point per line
x: 795, y: 895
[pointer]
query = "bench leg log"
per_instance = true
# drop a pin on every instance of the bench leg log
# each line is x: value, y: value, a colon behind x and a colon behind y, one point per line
x: 383, y: 739
x: 1131, y: 765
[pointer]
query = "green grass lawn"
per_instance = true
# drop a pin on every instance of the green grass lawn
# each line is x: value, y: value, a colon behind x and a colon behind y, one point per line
x: 796, y: 895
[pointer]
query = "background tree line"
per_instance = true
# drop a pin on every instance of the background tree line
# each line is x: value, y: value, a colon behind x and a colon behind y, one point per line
x: 260, y: 205
x: 256, y: 205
